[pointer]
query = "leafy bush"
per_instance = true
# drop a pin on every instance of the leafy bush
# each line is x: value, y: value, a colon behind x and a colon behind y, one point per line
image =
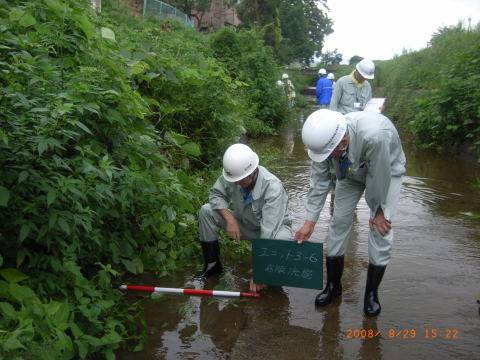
x: 105, y: 119
x: 250, y: 62
x: 450, y: 117
x: 188, y: 91
x: 436, y: 90
x: 100, y: 124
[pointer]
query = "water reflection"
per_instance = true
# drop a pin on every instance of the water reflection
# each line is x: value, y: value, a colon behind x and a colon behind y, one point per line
x: 370, y: 348
x: 331, y: 331
x: 222, y: 333
x: 269, y: 334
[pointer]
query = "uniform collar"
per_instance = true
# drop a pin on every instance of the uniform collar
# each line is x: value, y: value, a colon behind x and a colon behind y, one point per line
x: 257, y: 189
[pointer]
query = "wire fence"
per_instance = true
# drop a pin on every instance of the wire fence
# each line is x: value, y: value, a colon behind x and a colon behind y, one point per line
x: 160, y: 9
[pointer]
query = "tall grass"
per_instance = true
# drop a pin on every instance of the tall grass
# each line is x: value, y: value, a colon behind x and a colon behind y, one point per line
x: 436, y: 91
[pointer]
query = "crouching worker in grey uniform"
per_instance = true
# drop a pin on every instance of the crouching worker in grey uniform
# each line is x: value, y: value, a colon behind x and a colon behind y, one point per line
x: 259, y: 201
x: 364, y: 151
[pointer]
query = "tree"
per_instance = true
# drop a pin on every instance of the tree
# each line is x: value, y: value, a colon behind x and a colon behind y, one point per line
x: 304, y: 27
x: 319, y: 24
x: 355, y: 59
x: 262, y: 15
x: 294, y: 29
x: 330, y: 58
x: 272, y: 33
x: 257, y: 13
x: 193, y: 8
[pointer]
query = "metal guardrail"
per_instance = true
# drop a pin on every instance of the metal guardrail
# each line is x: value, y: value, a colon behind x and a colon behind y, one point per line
x: 160, y: 9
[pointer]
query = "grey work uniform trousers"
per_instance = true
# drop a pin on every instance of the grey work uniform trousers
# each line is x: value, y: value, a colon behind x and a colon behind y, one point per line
x: 347, y: 194
x: 210, y: 223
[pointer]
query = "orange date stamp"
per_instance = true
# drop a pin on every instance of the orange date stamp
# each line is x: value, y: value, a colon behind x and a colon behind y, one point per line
x: 427, y: 333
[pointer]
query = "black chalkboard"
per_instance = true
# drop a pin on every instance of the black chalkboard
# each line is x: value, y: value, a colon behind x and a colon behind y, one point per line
x: 286, y: 263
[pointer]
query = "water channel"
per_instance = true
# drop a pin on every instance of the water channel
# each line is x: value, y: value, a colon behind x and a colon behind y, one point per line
x: 428, y: 293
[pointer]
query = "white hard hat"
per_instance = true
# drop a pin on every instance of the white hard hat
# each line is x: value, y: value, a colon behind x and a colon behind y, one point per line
x: 285, y: 76
x: 239, y: 161
x: 330, y: 76
x: 322, y: 132
x: 322, y: 71
x: 366, y: 68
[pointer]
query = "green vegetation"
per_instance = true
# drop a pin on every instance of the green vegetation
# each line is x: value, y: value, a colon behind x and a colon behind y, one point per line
x: 330, y: 59
x: 436, y: 91
x: 252, y: 64
x: 294, y: 29
x: 107, y: 124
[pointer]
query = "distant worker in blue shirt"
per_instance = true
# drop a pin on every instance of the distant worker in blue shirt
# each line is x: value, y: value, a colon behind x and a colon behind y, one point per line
x: 324, y: 89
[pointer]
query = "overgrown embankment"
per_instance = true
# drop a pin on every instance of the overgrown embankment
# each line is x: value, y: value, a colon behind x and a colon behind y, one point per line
x: 107, y: 125
x: 435, y: 92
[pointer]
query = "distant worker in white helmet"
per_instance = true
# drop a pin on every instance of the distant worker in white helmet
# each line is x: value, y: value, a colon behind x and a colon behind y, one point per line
x: 353, y: 91
x: 331, y: 77
x: 323, y: 89
x: 364, y: 151
x: 259, y: 202
x: 289, y: 90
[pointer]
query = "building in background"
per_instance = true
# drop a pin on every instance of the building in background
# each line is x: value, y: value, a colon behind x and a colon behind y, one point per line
x: 221, y: 13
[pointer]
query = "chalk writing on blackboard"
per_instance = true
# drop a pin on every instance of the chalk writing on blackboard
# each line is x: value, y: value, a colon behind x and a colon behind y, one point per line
x: 284, y: 262
x: 290, y: 255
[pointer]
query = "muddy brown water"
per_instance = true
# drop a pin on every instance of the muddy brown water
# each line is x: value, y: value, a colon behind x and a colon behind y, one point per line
x: 428, y: 293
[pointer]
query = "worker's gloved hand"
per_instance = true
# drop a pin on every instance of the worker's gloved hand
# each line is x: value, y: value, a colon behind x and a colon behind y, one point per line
x: 305, y: 232
x: 254, y: 287
x: 233, y: 230
x: 383, y: 225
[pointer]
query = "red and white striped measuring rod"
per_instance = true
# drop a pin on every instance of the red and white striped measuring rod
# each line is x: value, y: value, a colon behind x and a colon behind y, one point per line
x: 189, y: 291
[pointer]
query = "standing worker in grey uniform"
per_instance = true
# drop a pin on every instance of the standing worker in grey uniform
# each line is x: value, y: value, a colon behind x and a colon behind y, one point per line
x: 352, y: 92
x: 260, y: 207
x: 364, y: 151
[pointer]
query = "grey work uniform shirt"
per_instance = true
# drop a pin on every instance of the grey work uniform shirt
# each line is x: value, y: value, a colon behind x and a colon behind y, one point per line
x: 268, y: 210
x: 347, y: 93
x: 375, y: 155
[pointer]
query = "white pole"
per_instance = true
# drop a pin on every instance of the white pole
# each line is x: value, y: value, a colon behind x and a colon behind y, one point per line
x: 97, y: 5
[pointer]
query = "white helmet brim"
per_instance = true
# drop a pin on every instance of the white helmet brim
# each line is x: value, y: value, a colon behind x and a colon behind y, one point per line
x: 366, y: 76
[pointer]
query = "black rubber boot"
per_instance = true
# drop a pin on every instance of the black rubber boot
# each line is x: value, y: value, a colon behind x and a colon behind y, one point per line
x: 371, y: 305
x: 211, y: 256
x: 334, y: 285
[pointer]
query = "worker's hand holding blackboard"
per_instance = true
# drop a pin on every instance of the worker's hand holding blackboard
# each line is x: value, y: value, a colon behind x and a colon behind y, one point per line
x: 305, y: 232
x: 286, y: 263
x: 254, y: 287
